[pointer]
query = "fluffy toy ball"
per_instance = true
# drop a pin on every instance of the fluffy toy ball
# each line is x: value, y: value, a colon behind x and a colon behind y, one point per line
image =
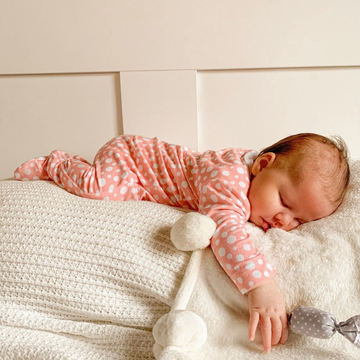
x: 178, y: 333
x: 192, y: 231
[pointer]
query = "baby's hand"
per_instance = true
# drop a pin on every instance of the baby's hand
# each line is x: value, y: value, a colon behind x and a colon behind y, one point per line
x: 267, y: 306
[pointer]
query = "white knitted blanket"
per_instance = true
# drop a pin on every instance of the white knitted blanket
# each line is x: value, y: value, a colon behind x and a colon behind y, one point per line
x: 85, y: 279
x: 82, y: 279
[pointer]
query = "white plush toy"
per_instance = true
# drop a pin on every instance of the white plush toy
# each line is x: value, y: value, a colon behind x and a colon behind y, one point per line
x: 177, y: 333
x: 181, y: 331
x: 192, y: 231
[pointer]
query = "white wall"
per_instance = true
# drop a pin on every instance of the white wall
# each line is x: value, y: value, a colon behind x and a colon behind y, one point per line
x: 204, y: 73
x: 40, y: 36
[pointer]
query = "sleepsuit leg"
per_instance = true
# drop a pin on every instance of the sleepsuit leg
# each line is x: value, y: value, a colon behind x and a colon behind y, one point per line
x: 79, y: 177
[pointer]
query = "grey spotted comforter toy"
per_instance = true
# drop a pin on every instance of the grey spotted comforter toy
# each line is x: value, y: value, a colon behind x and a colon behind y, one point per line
x: 306, y: 320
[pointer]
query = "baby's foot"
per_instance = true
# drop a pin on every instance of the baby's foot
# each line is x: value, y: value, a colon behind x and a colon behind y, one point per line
x: 34, y: 169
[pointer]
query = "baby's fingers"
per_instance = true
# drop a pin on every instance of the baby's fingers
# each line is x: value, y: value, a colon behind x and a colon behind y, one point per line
x: 253, y: 323
x: 285, y: 332
x: 266, y: 333
x: 277, y: 330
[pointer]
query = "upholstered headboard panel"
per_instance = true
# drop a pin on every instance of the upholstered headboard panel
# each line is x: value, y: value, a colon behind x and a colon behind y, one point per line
x: 206, y: 75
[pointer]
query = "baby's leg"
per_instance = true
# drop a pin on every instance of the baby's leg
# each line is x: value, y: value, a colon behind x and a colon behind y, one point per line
x: 74, y: 174
x: 71, y: 173
x: 34, y: 169
x: 79, y: 177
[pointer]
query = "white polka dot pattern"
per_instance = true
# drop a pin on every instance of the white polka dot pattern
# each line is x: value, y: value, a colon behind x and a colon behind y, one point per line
x: 136, y: 168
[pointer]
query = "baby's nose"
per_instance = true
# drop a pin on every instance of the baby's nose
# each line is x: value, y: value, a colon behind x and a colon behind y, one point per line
x: 284, y: 221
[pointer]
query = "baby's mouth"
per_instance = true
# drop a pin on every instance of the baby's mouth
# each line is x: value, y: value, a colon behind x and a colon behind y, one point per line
x: 265, y: 225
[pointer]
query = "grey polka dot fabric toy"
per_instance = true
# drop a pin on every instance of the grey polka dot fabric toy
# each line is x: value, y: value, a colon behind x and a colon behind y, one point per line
x: 305, y: 320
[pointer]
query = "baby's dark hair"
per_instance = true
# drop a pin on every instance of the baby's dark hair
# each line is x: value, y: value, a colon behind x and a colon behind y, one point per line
x: 307, y: 152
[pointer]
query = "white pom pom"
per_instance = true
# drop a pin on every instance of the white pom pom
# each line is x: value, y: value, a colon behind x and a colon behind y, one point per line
x: 177, y: 333
x: 192, y: 231
x: 172, y: 353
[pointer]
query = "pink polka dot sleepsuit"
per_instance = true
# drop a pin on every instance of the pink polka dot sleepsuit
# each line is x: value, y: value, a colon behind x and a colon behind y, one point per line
x: 215, y: 183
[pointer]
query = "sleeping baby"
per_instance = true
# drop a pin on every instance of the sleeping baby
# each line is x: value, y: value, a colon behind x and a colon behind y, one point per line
x: 299, y: 179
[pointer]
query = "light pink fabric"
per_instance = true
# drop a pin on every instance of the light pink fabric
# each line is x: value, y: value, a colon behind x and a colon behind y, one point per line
x: 215, y: 183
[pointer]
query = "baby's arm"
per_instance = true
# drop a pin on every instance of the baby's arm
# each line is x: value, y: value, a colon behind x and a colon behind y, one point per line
x: 251, y: 273
x: 224, y: 200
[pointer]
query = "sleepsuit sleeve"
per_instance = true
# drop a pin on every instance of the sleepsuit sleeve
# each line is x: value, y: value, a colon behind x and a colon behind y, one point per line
x: 223, y: 198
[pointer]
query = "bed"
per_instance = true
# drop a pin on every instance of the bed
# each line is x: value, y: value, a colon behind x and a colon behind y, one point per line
x: 87, y: 279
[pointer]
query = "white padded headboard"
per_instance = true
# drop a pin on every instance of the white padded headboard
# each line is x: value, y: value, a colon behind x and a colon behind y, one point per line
x: 206, y: 75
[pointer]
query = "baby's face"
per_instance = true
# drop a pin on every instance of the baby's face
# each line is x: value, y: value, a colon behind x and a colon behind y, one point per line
x: 276, y: 202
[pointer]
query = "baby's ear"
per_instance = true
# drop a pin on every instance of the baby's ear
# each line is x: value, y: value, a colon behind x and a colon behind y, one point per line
x: 262, y: 162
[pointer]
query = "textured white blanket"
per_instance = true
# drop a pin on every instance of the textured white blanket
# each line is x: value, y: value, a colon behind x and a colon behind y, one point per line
x: 85, y: 279
x: 82, y: 279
